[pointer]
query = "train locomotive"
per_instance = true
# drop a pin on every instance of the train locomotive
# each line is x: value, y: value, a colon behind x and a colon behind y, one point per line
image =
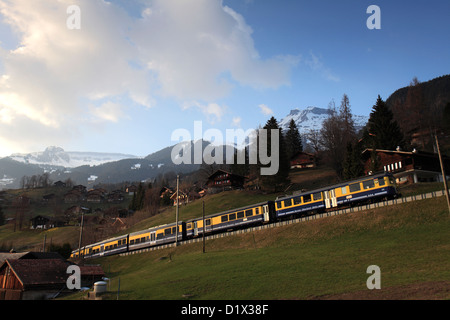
x: 363, y: 190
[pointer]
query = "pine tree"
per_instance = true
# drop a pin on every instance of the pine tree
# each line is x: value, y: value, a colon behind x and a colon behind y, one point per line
x: 278, y: 180
x: 353, y: 167
x: 383, y: 132
x: 293, y: 140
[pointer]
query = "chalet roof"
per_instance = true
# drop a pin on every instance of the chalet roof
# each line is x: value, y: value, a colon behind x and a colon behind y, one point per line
x: 12, y: 256
x: 409, y: 153
x: 29, y: 255
x: 39, y: 272
x: 220, y: 171
x: 302, y: 153
x: 91, y: 270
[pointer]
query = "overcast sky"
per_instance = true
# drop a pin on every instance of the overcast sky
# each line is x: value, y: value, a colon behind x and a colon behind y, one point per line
x: 137, y: 70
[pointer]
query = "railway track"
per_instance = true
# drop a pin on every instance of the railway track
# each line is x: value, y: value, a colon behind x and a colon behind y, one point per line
x: 430, y: 195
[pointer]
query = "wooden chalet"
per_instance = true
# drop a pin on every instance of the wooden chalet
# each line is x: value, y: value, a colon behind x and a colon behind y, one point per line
x: 32, y: 279
x: 40, y: 275
x: 413, y: 167
x: 303, y: 160
x: 59, y: 184
x: 182, y: 198
x: 73, y: 196
x: 222, y: 180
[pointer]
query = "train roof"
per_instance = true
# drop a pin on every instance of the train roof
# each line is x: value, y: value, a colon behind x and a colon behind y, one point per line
x: 340, y: 184
x: 155, y: 228
x: 230, y: 210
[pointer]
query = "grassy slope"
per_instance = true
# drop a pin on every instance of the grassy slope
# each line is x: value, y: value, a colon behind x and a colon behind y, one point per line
x: 409, y: 242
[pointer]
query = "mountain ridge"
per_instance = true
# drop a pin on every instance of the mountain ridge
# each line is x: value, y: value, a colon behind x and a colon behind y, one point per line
x: 312, y: 118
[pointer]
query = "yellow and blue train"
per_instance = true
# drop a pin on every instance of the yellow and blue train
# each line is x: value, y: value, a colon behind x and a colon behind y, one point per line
x: 366, y: 189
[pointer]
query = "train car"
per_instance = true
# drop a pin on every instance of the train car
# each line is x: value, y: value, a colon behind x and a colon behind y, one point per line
x: 366, y: 189
x: 156, y: 236
x: 231, y: 219
x: 299, y: 204
x: 103, y: 248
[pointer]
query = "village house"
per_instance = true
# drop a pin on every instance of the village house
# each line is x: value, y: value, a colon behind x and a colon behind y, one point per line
x: 415, y: 166
x: 40, y: 275
x: 59, y: 184
x: 95, y: 195
x: 303, y: 160
x: 222, y: 180
x: 43, y: 222
x: 73, y: 196
x: 181, y: 199
x: 115, y: 196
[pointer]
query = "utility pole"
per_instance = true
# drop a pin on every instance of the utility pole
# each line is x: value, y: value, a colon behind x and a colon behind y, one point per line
x: 443, y: 173
x: 178, y: 202
x: 203, y: 211
x: 45, y: 240
x: 81, y: 234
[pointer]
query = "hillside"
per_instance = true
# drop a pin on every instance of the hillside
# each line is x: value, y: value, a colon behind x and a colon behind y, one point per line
x: 320, y: 259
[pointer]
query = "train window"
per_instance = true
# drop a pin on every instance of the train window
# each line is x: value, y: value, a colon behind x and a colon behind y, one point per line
x: 307, y: 198
x: 208, y: 222
x: 278, y: 204
x: 224, y: 218
x: 143, y: 239
x: 354, y: 187
x: 249, y: 213
x: 232, y: 216
x: 256, y: 211
x: 368, y: 184
x: 317, y: 196
x: 297, y: 200
x: 131, y: 241
x: 189, y: 226
x: 240, y: 214
x: 381, y: 181
x: 287, y: 203
x: 174, y: 229
x: 167, y: 231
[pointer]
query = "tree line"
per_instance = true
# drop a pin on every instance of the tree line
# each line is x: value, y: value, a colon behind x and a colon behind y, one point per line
x: 339, y: 144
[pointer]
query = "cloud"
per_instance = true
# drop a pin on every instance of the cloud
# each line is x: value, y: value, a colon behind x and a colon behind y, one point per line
x: 183, y: 50
x: 212, y: 111
x: 265, y: 110
x: 316, y: 64
x: 236, y: 122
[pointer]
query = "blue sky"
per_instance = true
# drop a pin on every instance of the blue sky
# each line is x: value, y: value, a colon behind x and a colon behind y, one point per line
x: 137, y: 70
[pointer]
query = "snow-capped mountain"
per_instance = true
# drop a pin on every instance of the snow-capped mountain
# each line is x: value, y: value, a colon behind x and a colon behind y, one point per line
x: 312, y: 118
x: 56, y: 156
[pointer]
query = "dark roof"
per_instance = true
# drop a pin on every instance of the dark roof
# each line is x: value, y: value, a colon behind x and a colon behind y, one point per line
x: 29, y: 255
x: 220, y: 171
x: 13, y: 256
x: 40, y: 272
x: 91, y: 270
